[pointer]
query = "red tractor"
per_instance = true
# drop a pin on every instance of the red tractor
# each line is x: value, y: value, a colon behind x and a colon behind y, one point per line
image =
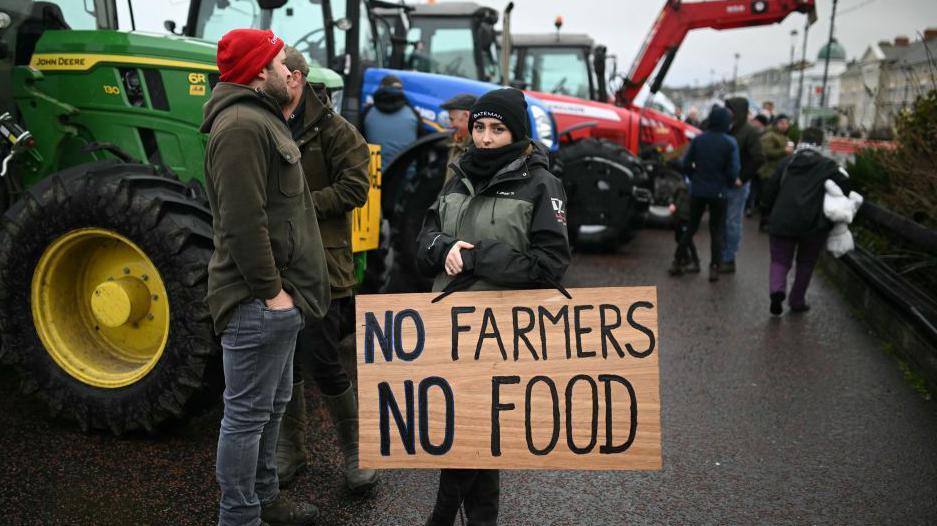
x: 603, y: 135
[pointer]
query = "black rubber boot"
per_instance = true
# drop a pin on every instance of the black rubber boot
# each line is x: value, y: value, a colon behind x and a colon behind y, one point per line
x: 285, y: 512
x: 692, y: 267
x: 676, y: 269
x: 777, y: 300
x: 344, y: 411
x: 714, y: 272
x: 291, y: 444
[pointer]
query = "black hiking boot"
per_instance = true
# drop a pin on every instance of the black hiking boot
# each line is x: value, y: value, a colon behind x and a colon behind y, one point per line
x: 692, y: 267
x: 777, y: 300
x: 285, y: 512
x: 676, y: 268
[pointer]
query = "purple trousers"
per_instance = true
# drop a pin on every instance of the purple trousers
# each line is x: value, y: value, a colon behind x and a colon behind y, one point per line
x: 783, y: 249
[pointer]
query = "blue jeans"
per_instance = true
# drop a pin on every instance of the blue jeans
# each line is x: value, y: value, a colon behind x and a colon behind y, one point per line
x: 735, y: 211
x: 257, y: 346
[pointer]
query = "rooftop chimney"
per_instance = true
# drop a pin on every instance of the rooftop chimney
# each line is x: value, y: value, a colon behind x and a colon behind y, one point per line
x: 930, y: 33
x: 902, y: 41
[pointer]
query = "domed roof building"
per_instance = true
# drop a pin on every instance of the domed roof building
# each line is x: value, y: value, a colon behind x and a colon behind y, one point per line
x: 834, y: 49
x: 812, y: 95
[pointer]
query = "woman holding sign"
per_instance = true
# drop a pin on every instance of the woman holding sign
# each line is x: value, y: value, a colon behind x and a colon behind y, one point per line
x: 500, y: 223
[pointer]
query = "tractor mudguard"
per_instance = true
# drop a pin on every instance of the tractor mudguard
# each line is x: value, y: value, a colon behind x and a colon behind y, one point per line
x: 394, y: 175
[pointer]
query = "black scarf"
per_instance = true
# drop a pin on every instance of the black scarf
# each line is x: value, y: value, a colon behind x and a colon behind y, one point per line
x: 481, y: 164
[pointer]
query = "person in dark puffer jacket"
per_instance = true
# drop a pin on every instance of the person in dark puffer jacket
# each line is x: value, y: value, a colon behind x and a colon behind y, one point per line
x: 712, y: 164
x: 793, y: 200
x: 499, y: 223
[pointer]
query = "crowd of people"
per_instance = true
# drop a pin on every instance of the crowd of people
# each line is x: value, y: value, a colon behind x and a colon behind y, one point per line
x: 284, y: 171
x: 740, y: 166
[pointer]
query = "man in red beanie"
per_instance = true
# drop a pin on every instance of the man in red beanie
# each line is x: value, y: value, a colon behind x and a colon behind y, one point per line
x: 267, y: 273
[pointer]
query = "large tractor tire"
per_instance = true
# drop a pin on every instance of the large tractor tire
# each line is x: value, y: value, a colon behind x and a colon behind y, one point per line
x: 103, y: 273
x: 419, y: 191
x: 600, y: 178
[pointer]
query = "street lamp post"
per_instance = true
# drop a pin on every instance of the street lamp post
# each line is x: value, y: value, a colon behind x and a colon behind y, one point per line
x: 735, y: 74
x: 829, y: 48
x: 803, y: 67
x: 790, y: 72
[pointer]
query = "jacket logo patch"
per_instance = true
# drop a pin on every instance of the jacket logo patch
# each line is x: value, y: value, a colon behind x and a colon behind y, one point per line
x: 505, y: 193
x: 558, y: 209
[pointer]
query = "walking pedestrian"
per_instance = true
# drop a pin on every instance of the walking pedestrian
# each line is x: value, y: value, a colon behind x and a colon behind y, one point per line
x: 458, y: 108
x: 712, y: 163
x: 335, y: 160
x: 266, y: 274
x: 685, y: 259
x: 775, y: 146
x: 500, y: 223
x: 797, y: 225
x: 752, y: 158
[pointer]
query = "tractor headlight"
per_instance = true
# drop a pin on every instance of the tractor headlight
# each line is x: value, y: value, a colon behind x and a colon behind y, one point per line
x: 544, y: 125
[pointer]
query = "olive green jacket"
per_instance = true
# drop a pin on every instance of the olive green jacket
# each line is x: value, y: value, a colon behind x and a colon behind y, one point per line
x: 335, y: 161
x: 456, y: 149
x: 774, y: 146
x: 265, y: 232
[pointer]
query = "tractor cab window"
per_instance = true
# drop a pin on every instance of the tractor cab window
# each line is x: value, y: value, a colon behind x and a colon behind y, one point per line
x: 29, y: 20
x: 442, y: 47
x: 78, y: 15
x: 217, y: 17
x: 301, y: 24
x: 368, y: 46
x: 562, y: 71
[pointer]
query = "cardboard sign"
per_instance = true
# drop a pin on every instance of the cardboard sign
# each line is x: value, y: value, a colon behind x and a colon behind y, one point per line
x: 522, y: 379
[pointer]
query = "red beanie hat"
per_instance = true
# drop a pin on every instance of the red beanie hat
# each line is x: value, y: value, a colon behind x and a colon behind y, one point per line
x: 242, y: 53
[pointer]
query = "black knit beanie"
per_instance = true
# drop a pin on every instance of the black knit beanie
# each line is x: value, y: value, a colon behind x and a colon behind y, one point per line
x: 508, y: 106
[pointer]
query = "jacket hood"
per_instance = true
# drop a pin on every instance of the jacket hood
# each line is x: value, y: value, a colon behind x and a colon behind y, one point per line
x: 226, y: 94
x: 739, y: 108
x: 389, y: 99
x: 804, y: 159
x: 719, y: 119
x: 313, y: 107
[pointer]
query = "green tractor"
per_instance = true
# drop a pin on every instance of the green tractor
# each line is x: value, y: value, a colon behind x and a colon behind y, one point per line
x: 106, y: 235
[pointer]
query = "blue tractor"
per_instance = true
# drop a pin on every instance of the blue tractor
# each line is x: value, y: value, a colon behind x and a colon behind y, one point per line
x: 360, y: 39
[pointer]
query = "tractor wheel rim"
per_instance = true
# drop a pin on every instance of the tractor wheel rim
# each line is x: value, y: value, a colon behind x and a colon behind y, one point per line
x: 100, y: 307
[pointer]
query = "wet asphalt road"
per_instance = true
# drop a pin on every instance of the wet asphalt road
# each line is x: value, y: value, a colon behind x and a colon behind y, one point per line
x: 797, y: 420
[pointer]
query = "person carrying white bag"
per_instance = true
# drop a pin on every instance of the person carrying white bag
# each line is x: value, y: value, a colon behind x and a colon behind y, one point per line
x: 799, y: 224
x: 840, y: 209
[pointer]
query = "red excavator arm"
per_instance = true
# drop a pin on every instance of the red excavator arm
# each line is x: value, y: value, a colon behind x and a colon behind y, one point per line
x: 677, y: 18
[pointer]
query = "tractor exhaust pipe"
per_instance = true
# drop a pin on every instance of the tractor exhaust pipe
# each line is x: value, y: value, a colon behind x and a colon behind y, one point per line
x: 506, y: 45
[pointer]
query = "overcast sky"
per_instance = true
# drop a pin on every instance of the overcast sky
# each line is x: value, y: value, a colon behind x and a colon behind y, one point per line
x: 623, y: 24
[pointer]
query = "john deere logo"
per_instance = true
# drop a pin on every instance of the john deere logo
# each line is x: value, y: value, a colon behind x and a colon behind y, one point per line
x: 59, y: 61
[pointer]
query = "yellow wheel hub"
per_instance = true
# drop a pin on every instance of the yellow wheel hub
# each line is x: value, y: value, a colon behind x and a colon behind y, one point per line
x: 100, y: 307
